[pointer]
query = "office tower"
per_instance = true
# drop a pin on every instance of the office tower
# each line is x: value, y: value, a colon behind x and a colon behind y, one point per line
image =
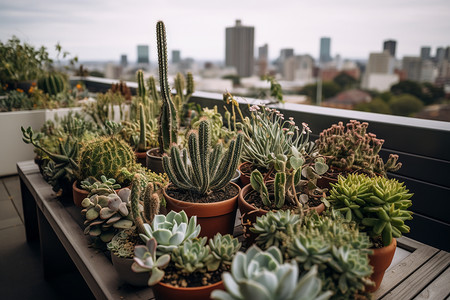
x: 425, y: 53
x: 390, y: 46
x: 143, y: 54
x: 284, y: 55
x: 123, y: 60
x: 379, y: 74
x: 239, y: 48
x: 412, y: 67
x: 325, y: 45
x: 176, y: 56
x: 263, y: 59
x: 440, y: 54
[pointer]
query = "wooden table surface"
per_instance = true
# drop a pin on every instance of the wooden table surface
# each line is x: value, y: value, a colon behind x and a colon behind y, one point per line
x: 424, y: 273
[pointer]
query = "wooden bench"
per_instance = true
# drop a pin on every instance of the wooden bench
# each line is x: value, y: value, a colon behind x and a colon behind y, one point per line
x: 420, y: 272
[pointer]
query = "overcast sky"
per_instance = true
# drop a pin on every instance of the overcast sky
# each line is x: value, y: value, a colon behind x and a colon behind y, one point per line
x: 105, y: 29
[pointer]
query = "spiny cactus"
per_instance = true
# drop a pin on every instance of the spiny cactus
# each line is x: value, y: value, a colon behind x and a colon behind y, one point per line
x: 201, y: 169
x: 142, y: 132
x: 171, y: 230
x: 181, y: 98
x: 52, y: 83
x: 105, y: 156
x: 378, y: 205
x: 263, y: 275
x: 223, y: 248
x: 352, y: 148
x: 106, y: 214
x: 168, y: 118
x: 146, y: 260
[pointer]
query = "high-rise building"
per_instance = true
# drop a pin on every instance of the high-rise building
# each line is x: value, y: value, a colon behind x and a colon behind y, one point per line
x: 123, y: 60
x: 284, y: 55
x: 263, y: 59
x: 239, y: 48
x: 379, y: 74
x: 176, y: 56
x: 440, y: 54
x: 390, y: 46
x: 412, y: 67
x: 143, y: 54
x: 425, y: 53
x: 263, y: 52
x: 325, y: 46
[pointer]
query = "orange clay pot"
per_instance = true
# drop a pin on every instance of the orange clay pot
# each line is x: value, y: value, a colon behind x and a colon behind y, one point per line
x: 164, y: 291
x: 212, y: 217
x: 380, y: 260
x: 78, y: 194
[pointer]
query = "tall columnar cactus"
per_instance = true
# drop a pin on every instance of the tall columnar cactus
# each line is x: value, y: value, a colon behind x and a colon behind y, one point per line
x: 181, y: 98
x: 168, y: 118
x: 52, y: 83
x: 105, y: 156
x: 353, y: 148
x: 142, y: 145
x: 143, y: 191
x: 142, y: 91
x: 201, y: 169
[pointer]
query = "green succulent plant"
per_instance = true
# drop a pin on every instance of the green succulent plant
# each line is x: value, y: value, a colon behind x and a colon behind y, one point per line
x: 192, y: 256
x: 103, y: 186
x: 262, y: 275
x: 352, y: 148
x: 201, y: 169
x: 52, y: 83
x: 184, y: 93
x: 223, y: 248
x: 107, y: 214
x: 146, y: 260
x: 171, y: 230
x: 123, y: 243
x: 378, y: 205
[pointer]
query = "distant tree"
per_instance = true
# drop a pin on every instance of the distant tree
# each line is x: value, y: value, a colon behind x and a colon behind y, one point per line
x: 405, y: 105
x: 385, y: 96
x: 329, y: 89
x: 432, y: 94
x: 377, y: 105
x: 345, y: 81
x: 407, y: 87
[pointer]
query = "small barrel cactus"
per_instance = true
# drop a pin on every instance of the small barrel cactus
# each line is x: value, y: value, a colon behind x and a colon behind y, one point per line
x: 378, y: 205
x: 52, y: 83
x: 263, y: 275
x: 105, y: 156
x: 201, y: 169
x: 106, y: 214
x: 192, y: 256
x: 171, y: 230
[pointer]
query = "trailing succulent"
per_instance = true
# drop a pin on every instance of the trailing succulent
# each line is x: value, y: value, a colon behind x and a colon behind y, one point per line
x: 352, y: 148
x: 202, y: 169
x: 378, y: 205
x: 171, y: 230
x: 262, y: 275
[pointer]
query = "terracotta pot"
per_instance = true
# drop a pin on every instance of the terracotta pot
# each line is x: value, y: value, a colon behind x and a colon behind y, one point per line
x: 78, y: 194
x: 123, y: 268
x: 141, y: 157
x: 154, y: 162
x: 212, y: 217
x: 245, y: 179
x: 165, y: 291
x: 380, y: 260
x: 249, y: 212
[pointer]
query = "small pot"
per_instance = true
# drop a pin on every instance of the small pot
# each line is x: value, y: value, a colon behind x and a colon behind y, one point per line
x: 380, y: 260
x: 236, y: 177
x: 154, y: 162
x: 78, y: 194
x: 165, y: 291
x: 245, y: 179
x: 123, y: 268
x: 212, y: 217
x: 141, y: 157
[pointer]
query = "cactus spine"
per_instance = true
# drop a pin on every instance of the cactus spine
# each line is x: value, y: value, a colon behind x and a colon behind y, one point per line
x: 168, y: 117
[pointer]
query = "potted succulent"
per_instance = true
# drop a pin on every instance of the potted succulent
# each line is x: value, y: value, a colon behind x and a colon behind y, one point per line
x: 182, y: 265
x: 200, y: 180
x: 379, y: 206
x: 352, y: 149
x: 259, y: 274
x: 329, y: 241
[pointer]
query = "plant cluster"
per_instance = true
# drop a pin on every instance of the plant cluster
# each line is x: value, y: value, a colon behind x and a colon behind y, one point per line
x: 378, y: 205
x: 352, y: 148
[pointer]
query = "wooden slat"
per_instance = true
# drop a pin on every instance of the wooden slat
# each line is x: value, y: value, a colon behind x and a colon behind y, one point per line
x: 420, y: 255
x: 438, y: 289
x: 414, y: 284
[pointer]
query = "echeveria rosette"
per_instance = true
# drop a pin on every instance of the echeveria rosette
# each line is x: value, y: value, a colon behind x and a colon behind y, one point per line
x: 146, y: 260
x: 171, y: 230
x: 192, y: 256
x: 262, y: 275
x: 223, y: 248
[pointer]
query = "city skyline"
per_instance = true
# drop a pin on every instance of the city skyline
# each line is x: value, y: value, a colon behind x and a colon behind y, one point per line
x: 104, y: 30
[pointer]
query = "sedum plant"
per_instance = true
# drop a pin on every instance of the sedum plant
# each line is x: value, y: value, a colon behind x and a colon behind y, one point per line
x: 352, y: 148
x: 262, y: 275
x: 378, y: 205
x: 146, y: 260
x: 200, y: 168
x: 171, y: 230
x: 223, y: 248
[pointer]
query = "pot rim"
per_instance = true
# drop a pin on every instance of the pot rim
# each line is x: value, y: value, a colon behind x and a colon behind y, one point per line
x: 188, y: 289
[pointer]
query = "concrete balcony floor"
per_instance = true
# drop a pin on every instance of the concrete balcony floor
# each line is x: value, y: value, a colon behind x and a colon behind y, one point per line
x: 21, y: 274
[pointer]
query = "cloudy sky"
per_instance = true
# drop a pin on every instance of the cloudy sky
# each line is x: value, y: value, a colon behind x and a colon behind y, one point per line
x: 105, y: 29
